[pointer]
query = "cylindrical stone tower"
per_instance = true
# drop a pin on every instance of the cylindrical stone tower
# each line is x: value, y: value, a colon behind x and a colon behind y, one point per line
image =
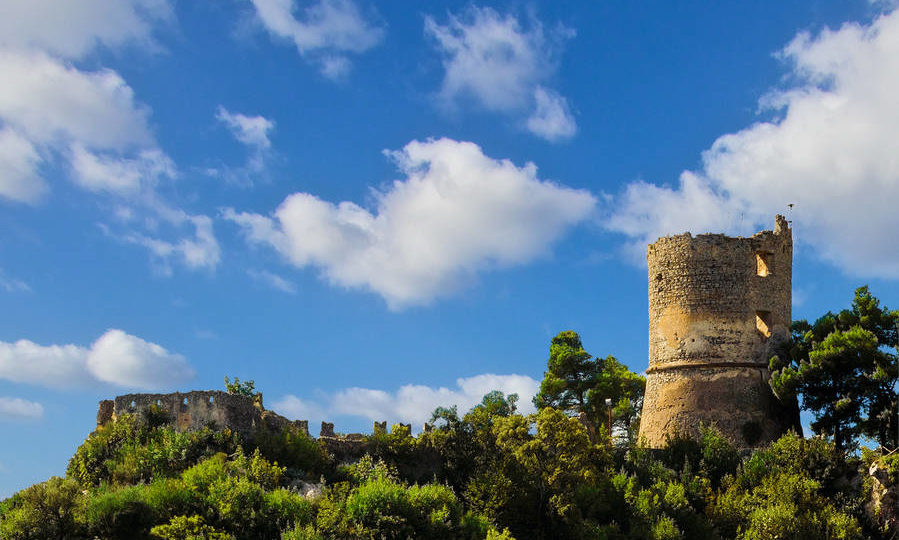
x: 718, y: 307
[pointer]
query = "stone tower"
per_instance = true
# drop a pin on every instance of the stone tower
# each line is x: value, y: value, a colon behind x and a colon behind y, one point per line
x: 718, y: 307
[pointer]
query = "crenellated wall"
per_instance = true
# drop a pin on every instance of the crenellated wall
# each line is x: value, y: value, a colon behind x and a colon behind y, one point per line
x: 718, y: 308
x: 190, y: 411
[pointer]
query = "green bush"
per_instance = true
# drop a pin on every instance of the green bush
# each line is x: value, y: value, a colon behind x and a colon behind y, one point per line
x: 45, y: 510
x: 129, y: 450
x: 188, y: 528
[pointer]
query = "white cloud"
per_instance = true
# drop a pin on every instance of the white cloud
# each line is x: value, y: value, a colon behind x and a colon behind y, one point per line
x: 250, y: 130
x: 411, y: 403
x: 502, y: 65
x: 199, y: 252
x: 58, y: 366
x: 19, y: 161
x: 273, y: 280
x: 50, y: 102
x: 253, y: 132
x: 457, y: 212
x: 116, y: 357
x: 298, y: 409
x: 72, y: 29
x: 551, y: 119
x: 831, y: 150
x: 126, y: 360
x: 90, y: 123
x: 324, y: 31
x: 19, y: 409
x: 122, y: 176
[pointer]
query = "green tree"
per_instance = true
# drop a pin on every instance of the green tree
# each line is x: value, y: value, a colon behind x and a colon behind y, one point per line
x: 575, y: 382
x: 246, y: 388
x: 846, y: 374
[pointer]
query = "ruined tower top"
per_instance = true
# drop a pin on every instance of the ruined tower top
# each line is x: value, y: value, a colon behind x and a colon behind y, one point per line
x: 718, y: 307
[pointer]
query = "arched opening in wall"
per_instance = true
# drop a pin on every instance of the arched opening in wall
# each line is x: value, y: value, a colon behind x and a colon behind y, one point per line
x: 211, y: 400
x: 764, y: 263
x: 184, y: 401
x: 132, y: 404
x: 763, y: 324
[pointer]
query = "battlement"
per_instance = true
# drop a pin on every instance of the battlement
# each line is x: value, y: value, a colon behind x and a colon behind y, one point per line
x: 191, y: 411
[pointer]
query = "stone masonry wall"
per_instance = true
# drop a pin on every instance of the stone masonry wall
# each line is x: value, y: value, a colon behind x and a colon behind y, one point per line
x: 194, y: 410
x: 718, y: 308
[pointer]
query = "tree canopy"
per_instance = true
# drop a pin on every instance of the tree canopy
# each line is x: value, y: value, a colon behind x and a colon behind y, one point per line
x: 845, y: 368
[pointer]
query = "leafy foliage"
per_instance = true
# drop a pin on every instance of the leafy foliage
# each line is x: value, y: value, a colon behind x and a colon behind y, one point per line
x: 845, y: 372
x: 491, y: 473
x: 575, y: 382
x: 238, y: 388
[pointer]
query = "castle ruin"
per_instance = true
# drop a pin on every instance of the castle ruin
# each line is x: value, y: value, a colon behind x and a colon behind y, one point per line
x: 718, y: 309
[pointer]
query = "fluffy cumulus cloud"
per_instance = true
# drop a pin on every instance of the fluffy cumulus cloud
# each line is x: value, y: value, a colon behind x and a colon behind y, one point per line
x: 456, y: 212
x: 504, y: 66
x: 19, y: 409
x: 116, y: 358
x: 323, y: 30
x: 73, y: 29
x: 88, y: 123
x: 831, y: 148
x: 412, y: 403
x: 49, y: 102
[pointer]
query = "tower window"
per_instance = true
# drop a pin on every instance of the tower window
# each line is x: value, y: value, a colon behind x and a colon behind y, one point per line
x: 763, y: 324
x: 764, y: 261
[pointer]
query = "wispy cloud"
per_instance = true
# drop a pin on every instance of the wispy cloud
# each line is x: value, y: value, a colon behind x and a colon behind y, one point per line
x: 325, y: 31
x: 11, y: 284
x: 20, y: 409
x: 505, y: 66
x: 272, y: 280
x: 252, y: 132
x: 89, y: 123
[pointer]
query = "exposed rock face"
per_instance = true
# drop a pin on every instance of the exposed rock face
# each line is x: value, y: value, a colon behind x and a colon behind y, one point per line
x: 883, y: 508
x: 718, y: 308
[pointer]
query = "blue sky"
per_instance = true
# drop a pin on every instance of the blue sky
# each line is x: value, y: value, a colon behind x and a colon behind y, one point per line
x: 375, y: 208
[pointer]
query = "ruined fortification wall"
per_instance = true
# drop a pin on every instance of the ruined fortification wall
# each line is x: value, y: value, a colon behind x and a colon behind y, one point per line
x: 190, y: 410
x: 718, y: 308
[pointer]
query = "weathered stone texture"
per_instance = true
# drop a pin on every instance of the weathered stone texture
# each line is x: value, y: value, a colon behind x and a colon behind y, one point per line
x: 883, y: 506
x: 718, y: 307
x: 194, y: 410
x: 105, y: 412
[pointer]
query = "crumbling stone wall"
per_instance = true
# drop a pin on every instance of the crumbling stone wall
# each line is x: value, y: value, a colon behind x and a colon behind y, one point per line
x: 718, y: 308
x: 194, y: 410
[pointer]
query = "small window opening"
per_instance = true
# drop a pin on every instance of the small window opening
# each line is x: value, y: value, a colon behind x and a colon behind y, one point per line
x: 132, y: 404
x: 158, y: 402
x: 211, y: 399
x: 764, y: 263
x: 763, y: 324
x: 184, y: 402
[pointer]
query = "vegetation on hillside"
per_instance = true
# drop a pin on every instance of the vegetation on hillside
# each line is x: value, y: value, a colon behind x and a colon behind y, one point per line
x: 494, y: 473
